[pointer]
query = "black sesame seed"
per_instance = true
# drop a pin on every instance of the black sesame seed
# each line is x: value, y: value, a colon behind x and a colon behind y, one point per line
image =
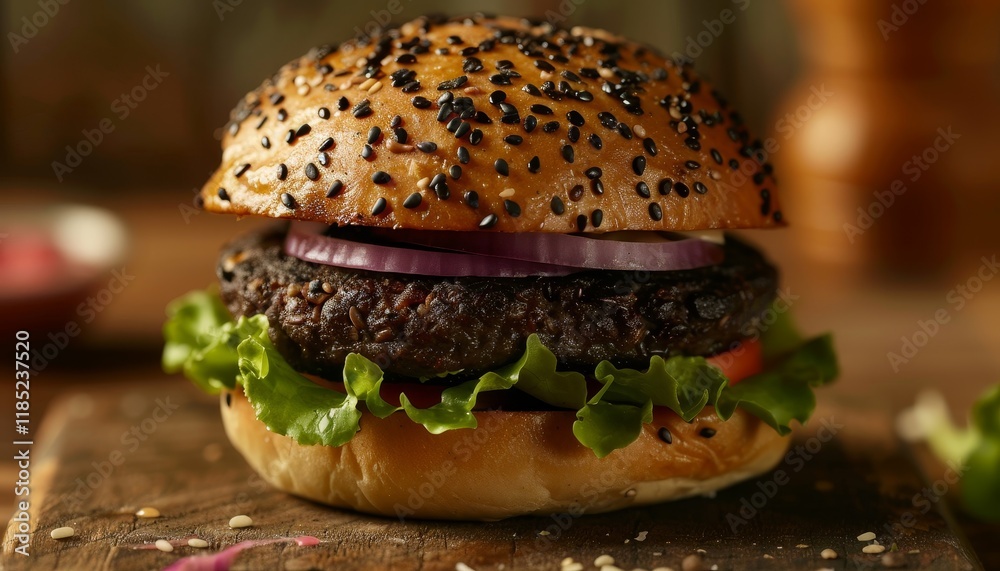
x: 534, y: 165
x: 265, y: 142
x: 454, y: 40
x: 323, y: 159
x: 545, y: 66
x: 700, y: 188
x: 362, y: 109
x: 513, y: 139
x: 412, y: 201
x: 575, y: 118
x: 639, y: 165
x: 401, y: 135
x: 396, y: 122
x: 412, y: 87
x: 343, y: 103
x: 596, y: 142
x: 502, y: 167
x: 557, y: 206
x: 303, y: 130
x: 734, y: 164
x: 706, y: 432
x: 597, y: 186
x: 717, y: 156
x: 551, y: 127
x: 532, y: 90
x: 664, y: 434
x: 624, y: 131
x: 682, y: 189
x: 406, y: 58
x: 326, y: 145
x: 476, y: 137
x: 594, y: 172
x: 472, y: 199
x: 642, y: 189
x: 379, y: 206
x: 223, y: 195
x: 442, y: 51
x: 530, y: 122
x: 282, y: 114
x: 584, y: 96
x: 758, y: 178
x: 650, y: 146
x: 367, y: 152
x: 312, y: 173
x: 778, y: 216
x: 335, y: 189
x: 607, y: 119
x: 421, y: 102
x: 500, y: 79
x: 463, y: 155
x: 512, y: 208
x: 589, y: 73
x: 581, y: 222
x: 288, y: 200
x: 238, y: 171
x: 573, y: 134
x: 454, y: 124
x: 488, y: 222
x: 282, y: 171
x: 692, y: 143
x: 498, y: 97
x: 438, y: 179
x: 442, y: 191
x: 277, y: 98
x: 381, y: 177
x: 666, y: 185
x: 597, y: 217
x: 576, y: 193
x: 453, y: 83
x: 541, y: 109
x: 427, y: 146
x: 374, y: 134
x: 463, y: 130
x: 323, y: 113
x: 472, y: 65
x: 692, y: 165
x: 470, y: 51
x: 290, y: 137
x: 568, y: 153
x: 259, y: 124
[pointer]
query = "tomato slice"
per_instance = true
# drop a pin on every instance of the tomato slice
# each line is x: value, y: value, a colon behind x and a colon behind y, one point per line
x: 744, y: 361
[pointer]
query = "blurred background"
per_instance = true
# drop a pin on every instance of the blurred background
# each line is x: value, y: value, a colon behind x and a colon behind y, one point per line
x: 881, y: 116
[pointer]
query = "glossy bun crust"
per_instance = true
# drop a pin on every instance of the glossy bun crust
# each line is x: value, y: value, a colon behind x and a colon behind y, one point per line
x: 514, y: 463
x: 596, y: 133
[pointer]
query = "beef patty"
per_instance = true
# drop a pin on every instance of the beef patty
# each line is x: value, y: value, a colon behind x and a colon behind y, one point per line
x: 422, y: 326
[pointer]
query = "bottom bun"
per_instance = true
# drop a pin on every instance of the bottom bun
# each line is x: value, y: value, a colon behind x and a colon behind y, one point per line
x: 514, y: 463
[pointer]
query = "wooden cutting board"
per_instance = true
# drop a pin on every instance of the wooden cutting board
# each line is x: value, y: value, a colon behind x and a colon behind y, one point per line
x: 182, y: 465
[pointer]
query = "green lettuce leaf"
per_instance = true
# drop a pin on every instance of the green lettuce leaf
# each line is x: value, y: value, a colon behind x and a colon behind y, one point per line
x: 216, y: 354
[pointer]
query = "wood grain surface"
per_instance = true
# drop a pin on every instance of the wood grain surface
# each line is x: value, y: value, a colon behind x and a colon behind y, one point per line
x: 181, y: 464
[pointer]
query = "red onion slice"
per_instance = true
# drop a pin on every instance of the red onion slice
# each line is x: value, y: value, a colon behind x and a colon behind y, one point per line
x: 306, y: 241
x: 569, y: 250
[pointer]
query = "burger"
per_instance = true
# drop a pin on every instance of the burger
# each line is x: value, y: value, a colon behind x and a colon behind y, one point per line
x: 501, y: 284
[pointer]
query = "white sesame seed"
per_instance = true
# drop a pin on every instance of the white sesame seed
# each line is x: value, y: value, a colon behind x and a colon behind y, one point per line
x: 397, y: 147
x: 164, y: 545
x: 693, y: 562
x: 367, y: 84
x: 802, y: 546
x: 642, y: 536
x: 62, y: 532
x: 304, y: 90
x: 768, y: 556
x: 299, y: 80
x: 828, y: 554
x: 148, y: 513
x: 544, y: 532
x: 507, y: 193
x: 387, y: 60
x: 640, y: 131
x: 866, y: 536
x: 199, y: 543
x: 240, y: 521
x: 611, y: 568
x: 603, y: 560
x: 375, y: 88
x: 545, y: 75
x: 424, y: 183
x: 606, y: 73
x: 566, y: 561
x: 574, y: 566
x: 875, y: 548
x: 630, y: 493
x: 463, y: 567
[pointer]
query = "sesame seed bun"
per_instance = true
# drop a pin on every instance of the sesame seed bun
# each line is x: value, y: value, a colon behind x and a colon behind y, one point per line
x: 622, y: 138
x: 514, y: 463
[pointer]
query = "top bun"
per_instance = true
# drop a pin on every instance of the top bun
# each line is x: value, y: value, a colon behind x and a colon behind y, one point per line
x: 492, y: 123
